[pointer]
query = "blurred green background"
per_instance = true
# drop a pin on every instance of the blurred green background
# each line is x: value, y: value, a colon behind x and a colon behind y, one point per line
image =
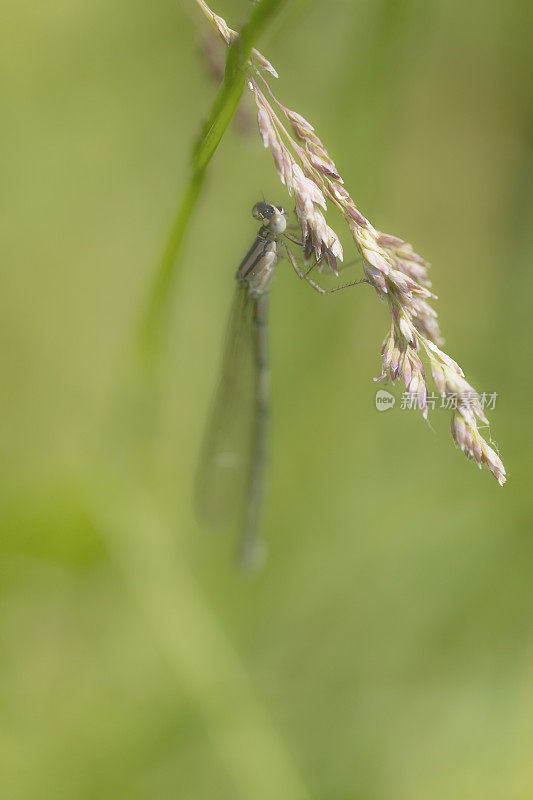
x: 385, y: 650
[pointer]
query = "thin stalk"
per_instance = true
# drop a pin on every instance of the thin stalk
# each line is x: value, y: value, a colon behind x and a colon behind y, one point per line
x: 222, y: 111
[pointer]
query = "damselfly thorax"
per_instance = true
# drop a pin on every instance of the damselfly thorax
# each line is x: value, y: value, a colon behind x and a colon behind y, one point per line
x: 257, y: 267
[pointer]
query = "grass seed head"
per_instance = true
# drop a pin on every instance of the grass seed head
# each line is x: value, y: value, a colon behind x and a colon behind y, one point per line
x: 398, y: 274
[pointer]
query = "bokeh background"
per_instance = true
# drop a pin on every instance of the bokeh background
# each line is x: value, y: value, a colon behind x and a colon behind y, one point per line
x: 385, y: 650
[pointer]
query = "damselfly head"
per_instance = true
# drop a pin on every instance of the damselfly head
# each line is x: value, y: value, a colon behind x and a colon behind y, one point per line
x: 272, y: 217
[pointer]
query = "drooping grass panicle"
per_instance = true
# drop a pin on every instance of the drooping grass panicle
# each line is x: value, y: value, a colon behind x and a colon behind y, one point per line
x: 397, y: 273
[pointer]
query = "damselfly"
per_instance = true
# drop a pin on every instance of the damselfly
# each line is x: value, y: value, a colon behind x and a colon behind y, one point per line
x: 232, y: 467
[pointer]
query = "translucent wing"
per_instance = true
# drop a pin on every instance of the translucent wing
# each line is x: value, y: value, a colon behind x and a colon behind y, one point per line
x: 225, y: 455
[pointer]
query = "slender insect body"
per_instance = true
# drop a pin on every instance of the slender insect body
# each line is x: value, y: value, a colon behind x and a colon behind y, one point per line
x: 247, y: 349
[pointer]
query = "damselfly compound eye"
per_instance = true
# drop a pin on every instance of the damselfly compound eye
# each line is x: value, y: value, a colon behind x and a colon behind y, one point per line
x: 264, y: 211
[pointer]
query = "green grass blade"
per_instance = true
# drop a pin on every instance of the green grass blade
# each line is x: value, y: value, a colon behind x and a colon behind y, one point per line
x: 222, y: 111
